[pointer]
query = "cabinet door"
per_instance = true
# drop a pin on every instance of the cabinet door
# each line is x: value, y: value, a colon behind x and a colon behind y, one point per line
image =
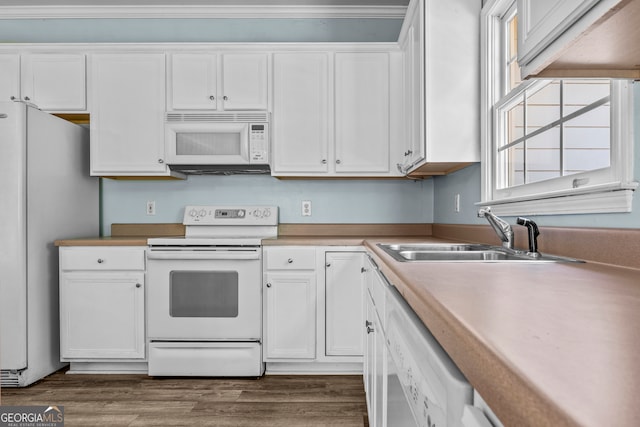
x: 414, y: 148
x: 102, y: 316
x: 192, y: 83
x: 9, y: 77
x: 370, y: 358
x: 300, y: 113
x: 290, y: 315
x: 362, y: 112
x: 344, y: 303
x: 540, y: 22
x: 127, y: 114
x: 55, y: 81
x: 244, y: 81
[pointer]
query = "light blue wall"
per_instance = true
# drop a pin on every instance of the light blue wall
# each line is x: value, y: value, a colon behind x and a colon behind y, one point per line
x: 198, y: 30
x: 333, y: 201
x: 467, y: 183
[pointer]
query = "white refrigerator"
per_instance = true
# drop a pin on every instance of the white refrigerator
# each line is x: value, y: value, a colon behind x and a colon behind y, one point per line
x: 46, y: 193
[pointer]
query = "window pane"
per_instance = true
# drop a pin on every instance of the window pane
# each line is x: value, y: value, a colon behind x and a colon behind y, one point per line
x: 543, y: 106
x: 516, y: 165
x: 513, y: 69
x: 580, y: 93
x: 543, y: 156
x: 587, y: 144
x: 515, y: 122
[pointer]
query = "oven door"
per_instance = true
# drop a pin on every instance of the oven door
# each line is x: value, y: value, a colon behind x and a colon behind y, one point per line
x: 204, y: 295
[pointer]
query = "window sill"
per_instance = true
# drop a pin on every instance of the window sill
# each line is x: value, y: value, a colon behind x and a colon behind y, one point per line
x: 608, y: 199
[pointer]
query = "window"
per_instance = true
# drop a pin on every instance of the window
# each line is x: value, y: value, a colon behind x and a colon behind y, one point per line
x: 550, y: 146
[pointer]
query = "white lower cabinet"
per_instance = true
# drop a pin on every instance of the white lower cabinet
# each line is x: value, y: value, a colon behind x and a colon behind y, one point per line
x: 102, y: 303
x: 313, y: 309
x: 375, y: 355
x: 289, y: 296
x: 344, y: 306
x: 290, y: 315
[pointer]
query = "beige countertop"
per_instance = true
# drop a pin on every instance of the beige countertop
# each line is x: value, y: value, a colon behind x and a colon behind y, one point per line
x: 103, y: 241
x: 544, y: 344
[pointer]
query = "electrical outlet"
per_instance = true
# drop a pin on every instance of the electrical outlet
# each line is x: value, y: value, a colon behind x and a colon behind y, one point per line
x: 306, y: 208
x: 456, y: 203
x: 151, y: 207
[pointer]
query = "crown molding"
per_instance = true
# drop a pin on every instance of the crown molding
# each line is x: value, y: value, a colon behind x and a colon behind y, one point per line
x: 198, y: 11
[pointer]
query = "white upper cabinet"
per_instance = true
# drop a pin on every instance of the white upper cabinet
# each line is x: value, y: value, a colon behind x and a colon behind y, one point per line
x: 440, y: 42
x: 193, y: 81
x: 578, y: 38
x: 542, y: 21
x: 51, y: 81
x: 209, y: 81
x: 244, y: 81
x: 300, y: 128
x: 335, y: 114
x: 55, y: 82
x: 9, y: 77
x: 127, y: 114
x: 362, y: 116
x: 413, y: 149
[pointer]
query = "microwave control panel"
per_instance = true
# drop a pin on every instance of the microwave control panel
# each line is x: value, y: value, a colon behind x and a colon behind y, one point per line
x: 259, y: 142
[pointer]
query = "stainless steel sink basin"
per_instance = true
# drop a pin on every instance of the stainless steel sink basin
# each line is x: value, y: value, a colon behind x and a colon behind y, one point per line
x: 425, y: 252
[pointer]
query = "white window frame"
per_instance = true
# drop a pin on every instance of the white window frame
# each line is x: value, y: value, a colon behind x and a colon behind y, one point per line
x: 599, y: 191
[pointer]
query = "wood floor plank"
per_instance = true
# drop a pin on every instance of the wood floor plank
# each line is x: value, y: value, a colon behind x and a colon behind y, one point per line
x: 140, y: 400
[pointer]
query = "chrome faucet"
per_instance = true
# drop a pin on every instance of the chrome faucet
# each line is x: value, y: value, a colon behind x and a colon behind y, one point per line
x: 502, y: 227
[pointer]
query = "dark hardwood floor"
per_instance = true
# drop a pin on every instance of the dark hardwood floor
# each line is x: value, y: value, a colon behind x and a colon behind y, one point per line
x: 139, y: 400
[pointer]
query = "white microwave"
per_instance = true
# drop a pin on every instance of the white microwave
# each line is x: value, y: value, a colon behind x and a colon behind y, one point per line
x: 217, y: 138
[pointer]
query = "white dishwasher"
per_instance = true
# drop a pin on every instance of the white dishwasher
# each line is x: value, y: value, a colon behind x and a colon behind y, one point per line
x: 421, y: 376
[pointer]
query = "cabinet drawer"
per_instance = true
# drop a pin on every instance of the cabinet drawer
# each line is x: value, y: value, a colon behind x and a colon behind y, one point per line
x: 102, y: 258
x: 290, y: 258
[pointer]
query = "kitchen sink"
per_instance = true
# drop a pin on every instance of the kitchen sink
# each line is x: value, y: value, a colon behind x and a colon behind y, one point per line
x: 436, y: 252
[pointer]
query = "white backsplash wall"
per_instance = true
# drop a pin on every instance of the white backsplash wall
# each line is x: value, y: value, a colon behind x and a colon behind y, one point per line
x: 332, y: 201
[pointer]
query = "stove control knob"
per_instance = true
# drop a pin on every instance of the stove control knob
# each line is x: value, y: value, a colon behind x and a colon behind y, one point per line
x: 202, y: 212
x: 267, y: 213
x: 193, y: 213
x: 241, y: 213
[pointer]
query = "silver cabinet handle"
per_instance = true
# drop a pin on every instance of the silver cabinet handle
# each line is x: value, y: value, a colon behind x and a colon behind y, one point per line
x: 160, y: 161
x: 369, y: 326
x: 213, y: 98
x: 26, y: 98
x: 363, y: 270
x: 328, y: 264
x: 290, y: 261
x: 338, y: 161
x: 100, y: 260
x: 138, y: 285
x: 268, y: 285
x: 226, y: 98
x: 13, y: 98
x: 324, y: 161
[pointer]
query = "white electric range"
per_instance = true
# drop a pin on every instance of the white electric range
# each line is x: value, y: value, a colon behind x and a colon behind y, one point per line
x: 204, y: 293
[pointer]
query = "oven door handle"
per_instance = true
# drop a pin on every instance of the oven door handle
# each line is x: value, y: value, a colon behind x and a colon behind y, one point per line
x: 204, y: 255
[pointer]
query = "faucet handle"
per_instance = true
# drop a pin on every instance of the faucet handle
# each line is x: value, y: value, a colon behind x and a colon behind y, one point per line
x: 483, y: 211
